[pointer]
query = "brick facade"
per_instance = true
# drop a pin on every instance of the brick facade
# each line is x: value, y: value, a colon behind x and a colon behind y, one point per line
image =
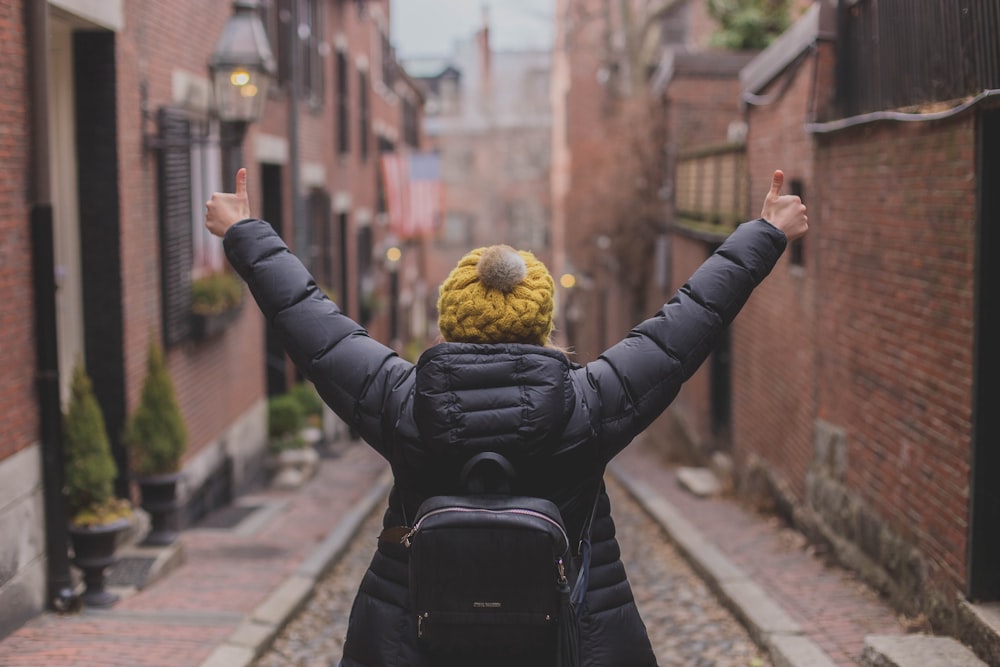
x: 853, y: 372
x: 125, y: 61
x: 18, y: 416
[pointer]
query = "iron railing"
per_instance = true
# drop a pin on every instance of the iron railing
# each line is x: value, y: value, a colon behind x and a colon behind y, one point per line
x: 900, y: 54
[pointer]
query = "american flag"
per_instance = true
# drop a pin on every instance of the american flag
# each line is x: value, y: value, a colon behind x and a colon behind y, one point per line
x: 413, y: 192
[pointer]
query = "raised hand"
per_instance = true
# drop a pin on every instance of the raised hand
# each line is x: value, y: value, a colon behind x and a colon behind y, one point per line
x: 786, y: 212
x: 224, y: 209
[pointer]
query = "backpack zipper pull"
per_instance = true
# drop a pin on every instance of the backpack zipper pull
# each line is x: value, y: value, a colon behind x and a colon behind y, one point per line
x: 406, y: 538
x: 562, y: 572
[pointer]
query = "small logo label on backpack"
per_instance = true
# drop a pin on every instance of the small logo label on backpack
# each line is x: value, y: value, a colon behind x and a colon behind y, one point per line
x: 487, y: 605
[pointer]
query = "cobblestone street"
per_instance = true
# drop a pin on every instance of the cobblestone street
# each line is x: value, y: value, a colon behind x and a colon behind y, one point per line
x: 687, y: 625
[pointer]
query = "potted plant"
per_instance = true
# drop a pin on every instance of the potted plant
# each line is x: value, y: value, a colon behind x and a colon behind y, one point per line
x: 97, y: 518
x: 292, y: 457
x: 216, y: 302
x: 156, y: 437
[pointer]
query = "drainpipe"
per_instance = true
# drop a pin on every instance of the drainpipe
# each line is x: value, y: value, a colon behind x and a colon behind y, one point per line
x: 60, y: 585
x: 298, y: 235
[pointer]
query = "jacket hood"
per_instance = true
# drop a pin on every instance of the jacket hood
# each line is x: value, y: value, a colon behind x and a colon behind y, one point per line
x: 513, y: 399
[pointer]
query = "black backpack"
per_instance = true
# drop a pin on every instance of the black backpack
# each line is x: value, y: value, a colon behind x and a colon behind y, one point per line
x: 490, y: 572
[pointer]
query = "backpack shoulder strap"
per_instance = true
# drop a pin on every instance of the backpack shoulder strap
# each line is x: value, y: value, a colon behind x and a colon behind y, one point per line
x: 583, y: 576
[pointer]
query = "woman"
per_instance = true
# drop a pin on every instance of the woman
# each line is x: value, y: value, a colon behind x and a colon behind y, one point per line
x: 497, y: 385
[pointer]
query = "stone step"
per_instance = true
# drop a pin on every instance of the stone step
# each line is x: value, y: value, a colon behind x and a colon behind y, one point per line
x: 917, y: 651
x: 979, y: 627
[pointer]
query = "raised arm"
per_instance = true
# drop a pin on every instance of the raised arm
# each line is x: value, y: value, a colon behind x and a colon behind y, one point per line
x: 635, y: 380
x: 352, y: 372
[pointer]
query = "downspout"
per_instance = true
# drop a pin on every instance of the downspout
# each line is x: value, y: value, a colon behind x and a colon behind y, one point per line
x: 60, y: 586
x: 299, y: 234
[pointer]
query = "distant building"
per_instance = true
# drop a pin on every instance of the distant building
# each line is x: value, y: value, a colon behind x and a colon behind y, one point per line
x: 488, y: 115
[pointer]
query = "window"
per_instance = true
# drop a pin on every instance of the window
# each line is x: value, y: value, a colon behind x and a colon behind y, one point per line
x: 410, y: 123
x: 312, y: 50
x: 388, y: 61
x: 307, y: 36
x: 189, y: 171
x: 206, y: 177
x: 321, y: 238
x: 365, y: 113
x: 277, y: 18
x: 343, y: 106
x: 797, y: 252
x: 381, y: 202
x: 457, y: 229
x: 366, y: 275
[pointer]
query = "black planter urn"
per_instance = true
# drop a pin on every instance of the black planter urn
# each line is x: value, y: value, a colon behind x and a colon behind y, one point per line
x: 94, y: 552
x: 158, y: 495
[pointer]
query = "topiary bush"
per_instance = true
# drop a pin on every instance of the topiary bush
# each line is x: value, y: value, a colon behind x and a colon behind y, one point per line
x: 90, y: 470
x: 155, y: 433
x: 285, y: 418
x: 307, y: 396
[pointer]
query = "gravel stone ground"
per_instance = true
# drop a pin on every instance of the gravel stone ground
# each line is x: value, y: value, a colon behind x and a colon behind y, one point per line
x: 686, y: 623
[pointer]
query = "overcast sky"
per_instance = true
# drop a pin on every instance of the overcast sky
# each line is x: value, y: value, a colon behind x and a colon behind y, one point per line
x: 431, y: 27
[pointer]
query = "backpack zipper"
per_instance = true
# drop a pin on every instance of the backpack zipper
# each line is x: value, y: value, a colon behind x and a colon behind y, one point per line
x: 525, y: 512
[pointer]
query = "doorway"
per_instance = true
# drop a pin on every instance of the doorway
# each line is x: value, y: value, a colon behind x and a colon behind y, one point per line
x: 984, y: 510
x: 272, y: 206
x: 65, y: 205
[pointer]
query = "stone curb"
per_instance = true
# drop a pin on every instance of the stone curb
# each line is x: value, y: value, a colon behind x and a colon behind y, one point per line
x: 260, y: 627
x: 766, y: 621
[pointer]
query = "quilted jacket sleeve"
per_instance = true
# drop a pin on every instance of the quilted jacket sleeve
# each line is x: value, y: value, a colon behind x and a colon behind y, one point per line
x: 357, y: 376
x: 634, y: 381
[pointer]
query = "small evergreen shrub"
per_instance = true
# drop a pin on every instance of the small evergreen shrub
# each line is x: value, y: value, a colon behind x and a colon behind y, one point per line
x: 90, y: 470
x: 307, y: 396
x: 285, y: 418
x: 155, y: 433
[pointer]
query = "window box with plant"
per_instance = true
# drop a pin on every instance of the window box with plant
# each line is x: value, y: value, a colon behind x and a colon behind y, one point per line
x: 97, y: 519
x: 216, y: 302
x: 156, y: 438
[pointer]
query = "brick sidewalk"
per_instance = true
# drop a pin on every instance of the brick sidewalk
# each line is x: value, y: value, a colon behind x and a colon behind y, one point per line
x: 826, y: 604
x: 225, y: 584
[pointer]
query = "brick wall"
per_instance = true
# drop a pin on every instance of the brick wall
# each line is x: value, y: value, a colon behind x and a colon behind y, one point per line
x: 852, y: 374
x: 774, y: 342
x: 895, y: 325
x: 18, y: 412
x: 218, y: 380
x: 691, y: 409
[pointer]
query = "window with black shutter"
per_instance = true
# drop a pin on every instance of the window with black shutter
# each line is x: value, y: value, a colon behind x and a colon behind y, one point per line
x: 175, y: 224
x: 343, y: 106
x: 364, y: 103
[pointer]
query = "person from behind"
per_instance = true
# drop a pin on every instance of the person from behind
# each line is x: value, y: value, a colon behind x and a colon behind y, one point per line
x: 497, y: 384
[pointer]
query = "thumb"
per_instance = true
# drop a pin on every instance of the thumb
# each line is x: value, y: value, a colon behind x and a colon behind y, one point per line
x: 241, y: 182
x: 776, y: 182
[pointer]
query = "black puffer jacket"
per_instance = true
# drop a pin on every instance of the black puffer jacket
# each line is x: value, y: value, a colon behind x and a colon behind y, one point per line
x: 558, y: 422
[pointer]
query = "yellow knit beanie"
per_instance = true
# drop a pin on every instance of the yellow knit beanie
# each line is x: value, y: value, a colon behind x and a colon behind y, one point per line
x: 497, y: 295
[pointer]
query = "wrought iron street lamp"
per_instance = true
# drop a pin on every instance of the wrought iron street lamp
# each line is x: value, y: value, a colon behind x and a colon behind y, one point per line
x: 242, y: 67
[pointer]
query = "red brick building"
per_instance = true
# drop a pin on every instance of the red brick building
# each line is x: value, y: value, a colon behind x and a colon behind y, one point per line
x: 859, y: 368
x: 108, y: 131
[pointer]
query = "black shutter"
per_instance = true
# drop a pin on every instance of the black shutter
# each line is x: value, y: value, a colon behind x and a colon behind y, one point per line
x: 175, y: 224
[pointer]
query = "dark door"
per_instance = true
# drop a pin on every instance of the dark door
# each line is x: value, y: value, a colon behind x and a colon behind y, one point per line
x: 984, y: 538
x: 720, y: 387
x: 271, y: 210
